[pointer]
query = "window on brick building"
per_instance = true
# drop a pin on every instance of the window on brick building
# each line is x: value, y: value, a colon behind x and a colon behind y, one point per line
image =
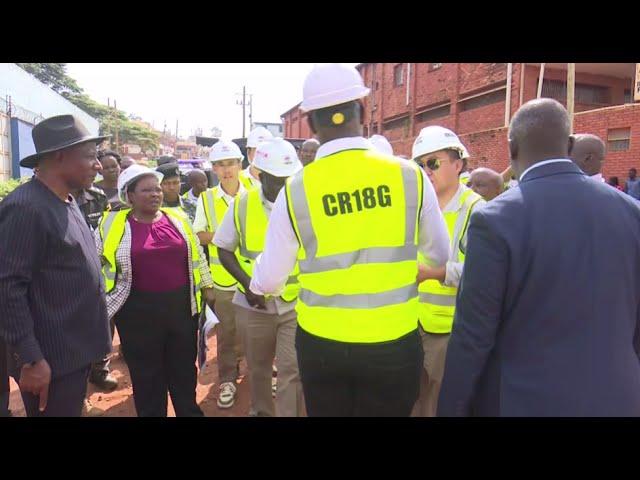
x: 433, y: 113
x: 396, y: 124
x: 398, y: 75
x: 627, y: 96
x: 365, y: 131
x: 586, y: 94
x: 618, y: 139
x: 434, y: 66
x: 482, y: 100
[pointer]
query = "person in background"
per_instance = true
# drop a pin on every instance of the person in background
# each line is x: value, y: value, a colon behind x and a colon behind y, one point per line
x: 53, y: 316
x: 547, y: 317
x: 110, y: 162
x: 588, y: 153
x: 308, y: 151
x: 198, y: 183
x: 486, y: 182
x: 632, y: 186
x: 171, y: 190
x: 126, y: 163
x: 165, y: 159
x: 614, y: 182
x: 156, y: 277
x: 249, y: 177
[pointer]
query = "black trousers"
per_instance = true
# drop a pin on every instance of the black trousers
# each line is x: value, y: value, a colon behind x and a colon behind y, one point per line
x: 159, y: 335
x: 359, y: 380
x: 4, y: 380
x: 100, y: 368
x: 66, y: 395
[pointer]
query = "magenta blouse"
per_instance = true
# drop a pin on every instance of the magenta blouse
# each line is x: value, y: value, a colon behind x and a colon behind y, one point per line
x: 159, y: 256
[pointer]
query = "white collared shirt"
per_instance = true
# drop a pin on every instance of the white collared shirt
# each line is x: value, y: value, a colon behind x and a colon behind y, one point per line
x: 274, y: 265
x: 200, y: 222
x: 540, y: 164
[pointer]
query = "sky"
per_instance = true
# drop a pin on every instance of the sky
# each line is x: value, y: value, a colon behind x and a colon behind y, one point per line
x: 200, y: 95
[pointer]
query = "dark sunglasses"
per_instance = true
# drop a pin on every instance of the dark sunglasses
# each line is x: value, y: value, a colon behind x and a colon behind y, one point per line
x: 432, y: 164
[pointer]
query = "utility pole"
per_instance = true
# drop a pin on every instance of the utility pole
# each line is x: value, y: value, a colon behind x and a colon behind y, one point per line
x: 250, y: 112
x: 176, y: 129
x: 115, y: 112
x: 244, y: 104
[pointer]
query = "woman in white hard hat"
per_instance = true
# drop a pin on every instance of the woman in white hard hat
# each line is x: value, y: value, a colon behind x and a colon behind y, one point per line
x: 250, y: 176
x: 155, y: 277
x: 213, y: 203
x: 268, y: 323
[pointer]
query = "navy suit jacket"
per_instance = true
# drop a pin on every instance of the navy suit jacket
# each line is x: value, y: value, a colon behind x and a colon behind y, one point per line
x: 547, y: 312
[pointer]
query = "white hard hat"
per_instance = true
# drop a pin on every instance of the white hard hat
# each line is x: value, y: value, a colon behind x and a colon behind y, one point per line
x: 132, y: 173
x: 277, y: 157
x: 257, y: 135
x: 434, y: 138
x: 224, y: 150
x: 381, y: 144
x: 331, y: 84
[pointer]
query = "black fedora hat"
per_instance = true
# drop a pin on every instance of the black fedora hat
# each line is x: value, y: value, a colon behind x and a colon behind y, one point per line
x: 57, y: 133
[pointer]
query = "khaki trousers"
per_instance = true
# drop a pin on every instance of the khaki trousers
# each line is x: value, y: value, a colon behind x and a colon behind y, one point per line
x: 267, y: 336
x: 435, y: 353
x: 229, y: 338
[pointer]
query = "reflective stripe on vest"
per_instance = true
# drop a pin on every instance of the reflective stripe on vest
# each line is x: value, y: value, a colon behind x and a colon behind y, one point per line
x: 112, y: 230
x: 358, y: 236
x: 437, y: 301
x: 214, y: 209
x: 251, y: 224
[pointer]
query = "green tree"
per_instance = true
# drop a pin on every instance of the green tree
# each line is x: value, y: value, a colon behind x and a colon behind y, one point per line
x: 54, y: 75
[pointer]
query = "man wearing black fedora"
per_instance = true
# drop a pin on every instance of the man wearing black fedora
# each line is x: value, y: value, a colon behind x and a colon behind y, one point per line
x: 53, y: 315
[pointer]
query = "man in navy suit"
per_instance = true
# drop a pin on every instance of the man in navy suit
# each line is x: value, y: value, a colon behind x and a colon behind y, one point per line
x: 547, y: 312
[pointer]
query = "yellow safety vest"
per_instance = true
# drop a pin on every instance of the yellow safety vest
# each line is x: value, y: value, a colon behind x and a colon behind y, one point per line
x: 464, y: 178
x: 358, y: 240
x: 214, y: 208
x: 247, y: 180
x: 251, y: 224
x: 437, y: 301
x: 112, y: 230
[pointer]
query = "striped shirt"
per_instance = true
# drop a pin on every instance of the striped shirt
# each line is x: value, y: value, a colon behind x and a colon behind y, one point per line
x: 52, y: 301
x: 117, y: 297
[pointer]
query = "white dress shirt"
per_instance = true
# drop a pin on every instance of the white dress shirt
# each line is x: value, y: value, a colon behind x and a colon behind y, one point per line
x: 227, y: 237
x: 200, y: 222
x: 274, y: 265
x: 453, y: 267
x: 545, y: 162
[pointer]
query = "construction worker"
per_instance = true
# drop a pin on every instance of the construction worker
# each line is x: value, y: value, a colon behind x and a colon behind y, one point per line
x: 443, y: 156
x: 355, y: 238
x: 250, y: 175
x: 171, y: 191
x: 268, y: 323
x: 212, y: 206
x: 486, y: 182
x: 381, y: 144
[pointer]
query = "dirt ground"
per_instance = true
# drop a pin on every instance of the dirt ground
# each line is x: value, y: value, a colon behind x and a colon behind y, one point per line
x: 119, y: 403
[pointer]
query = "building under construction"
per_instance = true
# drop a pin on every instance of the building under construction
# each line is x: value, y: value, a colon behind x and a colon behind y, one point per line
x: 477, y: 101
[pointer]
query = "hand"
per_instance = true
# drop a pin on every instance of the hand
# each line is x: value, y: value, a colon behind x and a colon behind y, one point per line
x: 422, y: 273
x: 35, y: 379
x: 209, y: 297
x: 430, y: 273
x: 256, y: 301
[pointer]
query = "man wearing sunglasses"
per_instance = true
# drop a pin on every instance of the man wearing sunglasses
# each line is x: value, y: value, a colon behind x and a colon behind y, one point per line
x: 443, y: 156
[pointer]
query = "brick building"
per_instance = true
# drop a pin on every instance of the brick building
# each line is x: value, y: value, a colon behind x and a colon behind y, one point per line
x: 475, y: 100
